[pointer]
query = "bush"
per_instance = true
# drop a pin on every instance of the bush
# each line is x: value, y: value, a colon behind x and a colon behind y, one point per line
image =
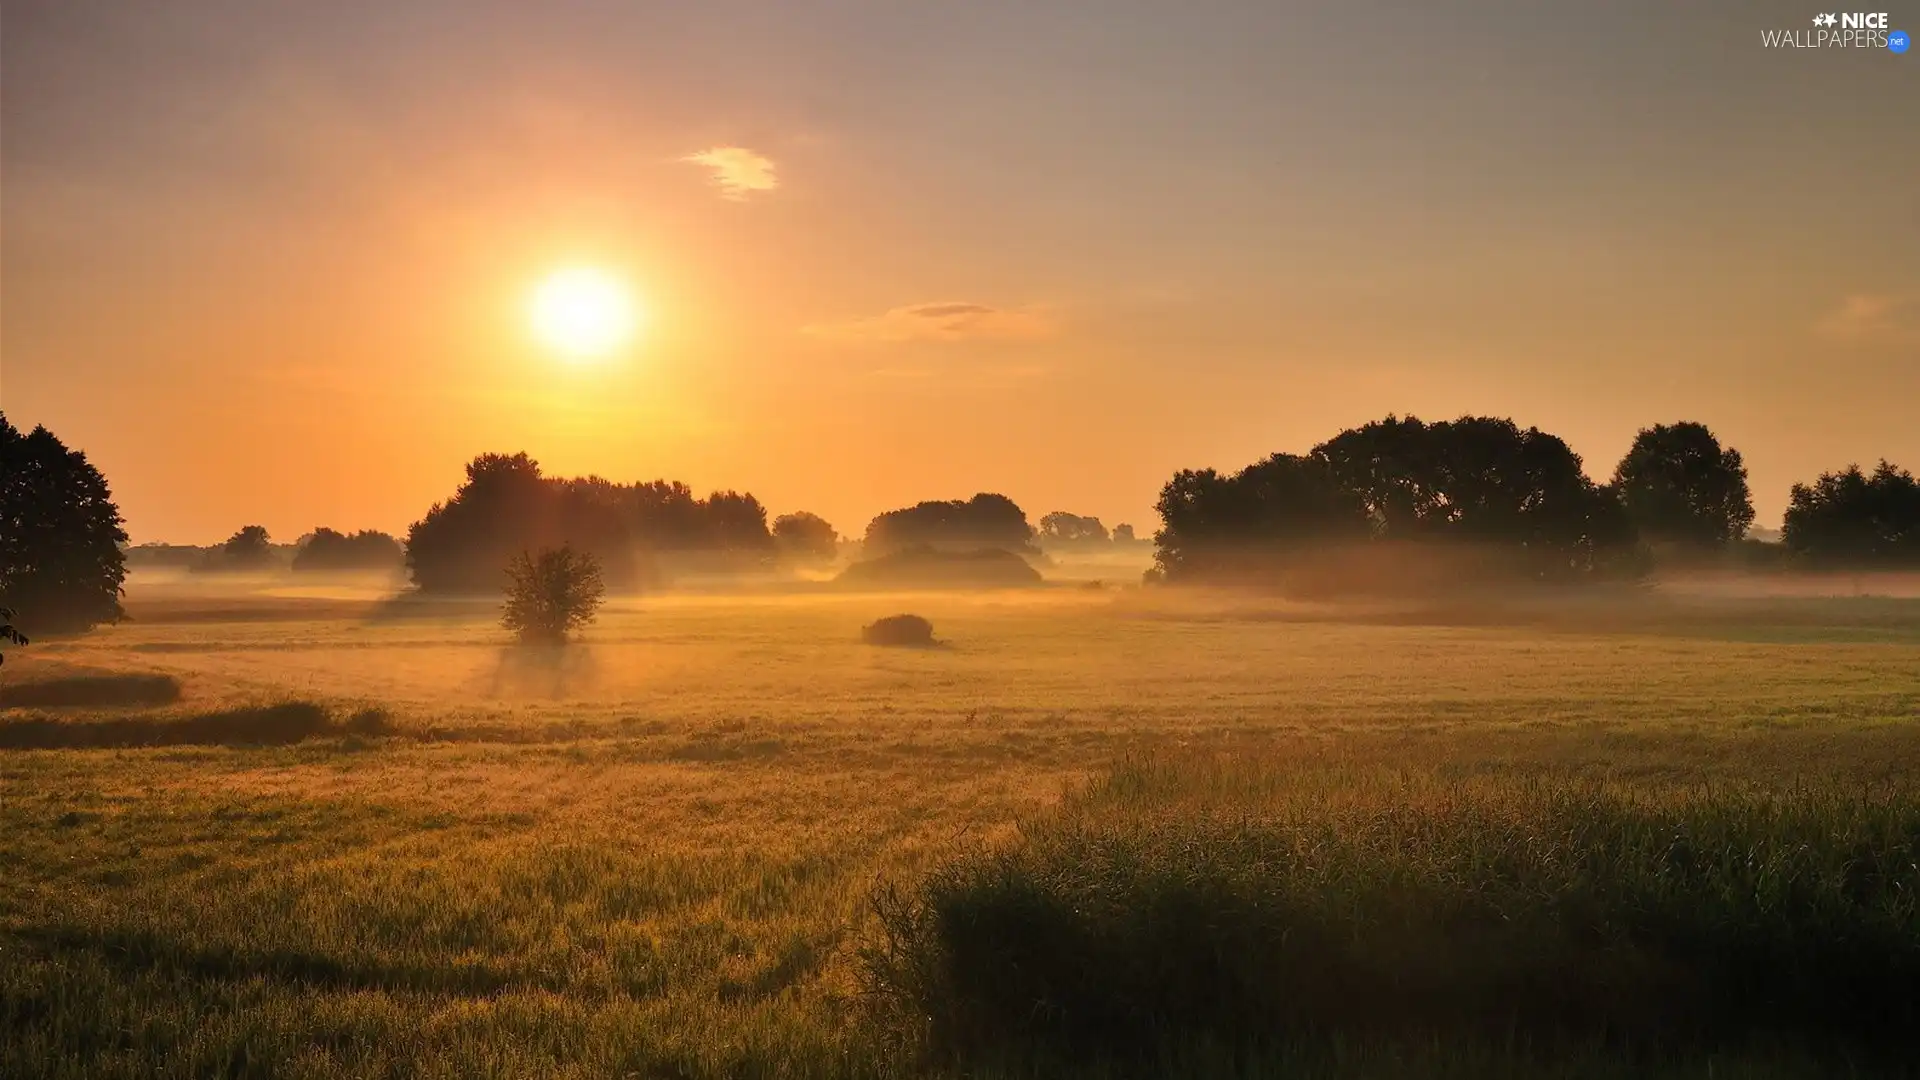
x: 908, y: 630
x: 552, y: 594
x: 1182, y: 905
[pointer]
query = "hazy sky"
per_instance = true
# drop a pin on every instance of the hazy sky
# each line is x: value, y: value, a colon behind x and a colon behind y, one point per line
x: 269, y: 261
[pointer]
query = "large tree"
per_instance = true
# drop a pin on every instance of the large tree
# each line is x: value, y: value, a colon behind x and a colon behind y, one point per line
x: 986, y: 520
x: 1482, y: 479
x: 802, y: 535
x: 1680, y: 486
x: 1073, y: 530
x: 1215, y: 526
x: 1853, y: 519
x: 1519, y: 495
x: 61, y: 563
x: 506, y: 505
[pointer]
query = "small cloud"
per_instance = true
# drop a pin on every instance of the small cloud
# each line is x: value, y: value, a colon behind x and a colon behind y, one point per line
x: 1875, y: 315
x: 737, y: 171
x: 943, y: 321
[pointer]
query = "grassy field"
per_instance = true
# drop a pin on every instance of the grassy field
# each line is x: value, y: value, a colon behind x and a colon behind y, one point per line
x: 275, y: 832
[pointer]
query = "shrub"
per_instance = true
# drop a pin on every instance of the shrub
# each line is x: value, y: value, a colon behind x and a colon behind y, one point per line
x: 1191, y: 904
x: 908, y: 630
x: 552, y: 594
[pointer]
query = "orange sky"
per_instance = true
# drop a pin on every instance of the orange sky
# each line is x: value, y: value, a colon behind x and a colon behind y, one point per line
x: 269, y: 263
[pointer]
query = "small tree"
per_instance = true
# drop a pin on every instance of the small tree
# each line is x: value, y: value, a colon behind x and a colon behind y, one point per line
x: 551, y: 594
x: 7, y: 632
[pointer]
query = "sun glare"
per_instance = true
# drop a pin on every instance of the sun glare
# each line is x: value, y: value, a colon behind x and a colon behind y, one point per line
x: 582, y: 313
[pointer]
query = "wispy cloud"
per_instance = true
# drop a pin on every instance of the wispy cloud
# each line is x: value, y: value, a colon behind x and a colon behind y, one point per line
x: 737, y: 171
x: 943, y: 321
x: 1866, y: 316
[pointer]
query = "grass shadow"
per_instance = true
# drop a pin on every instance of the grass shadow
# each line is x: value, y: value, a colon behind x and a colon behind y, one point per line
x: 280, y: 724
x: 92, y: 691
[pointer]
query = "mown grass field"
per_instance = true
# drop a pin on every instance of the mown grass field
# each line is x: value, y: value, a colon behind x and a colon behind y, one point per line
x: 250, y: 834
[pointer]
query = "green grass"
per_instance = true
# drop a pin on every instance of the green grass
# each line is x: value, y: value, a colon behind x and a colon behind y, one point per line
x: 1266, y: 900
x: 660, y: 855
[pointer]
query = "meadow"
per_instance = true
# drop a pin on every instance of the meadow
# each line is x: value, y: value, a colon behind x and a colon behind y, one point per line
x: 261, y: 831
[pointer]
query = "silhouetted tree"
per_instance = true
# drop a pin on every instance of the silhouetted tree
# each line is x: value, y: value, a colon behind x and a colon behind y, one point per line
x: 329, y: 549
x: 1680, y: 486
x: 1852, y: 519
x: 1214, y: 525
x: 552, y: 594
x: 252, y: 546
x: 986, y: 520
x: 507, y: 505
x: 1480, y: 479
x: 1123, y: 534
x: 61, y: 556
x: 737, y: 522
x: 1476, y: 480
x: 1072, y: 530
x: 803, y: 535
x: 7, y: 632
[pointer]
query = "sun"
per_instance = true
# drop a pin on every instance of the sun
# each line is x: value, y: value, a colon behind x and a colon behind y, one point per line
x: 583, y: 313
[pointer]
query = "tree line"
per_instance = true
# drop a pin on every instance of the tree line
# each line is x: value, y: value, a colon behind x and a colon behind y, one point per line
x: 1520, y: 496
x: 1519, y: 501
x: 507, y: 505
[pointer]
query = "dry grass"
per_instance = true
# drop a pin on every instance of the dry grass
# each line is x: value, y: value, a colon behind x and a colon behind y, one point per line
x: 655, y: 855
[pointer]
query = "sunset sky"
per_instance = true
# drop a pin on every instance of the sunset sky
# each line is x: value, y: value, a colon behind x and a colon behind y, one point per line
x: 272, y: 262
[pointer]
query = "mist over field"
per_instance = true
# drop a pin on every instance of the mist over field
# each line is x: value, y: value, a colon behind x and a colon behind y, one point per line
x: 750, y: 540
x: 1461, y: 769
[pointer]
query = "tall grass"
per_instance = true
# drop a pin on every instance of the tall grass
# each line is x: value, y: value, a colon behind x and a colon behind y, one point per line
x: 1193, y: 902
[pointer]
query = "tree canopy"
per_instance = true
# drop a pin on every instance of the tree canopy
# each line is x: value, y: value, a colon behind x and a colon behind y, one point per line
x: 802, y: 535
x: 1476, y: 480
x: 986, y: 520
x: 507, y: 505
x: 61, y: 561
x: 1073, y: 530
x: 1680, y: 486
x: 1857, y: 520
x: 330, y: 549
